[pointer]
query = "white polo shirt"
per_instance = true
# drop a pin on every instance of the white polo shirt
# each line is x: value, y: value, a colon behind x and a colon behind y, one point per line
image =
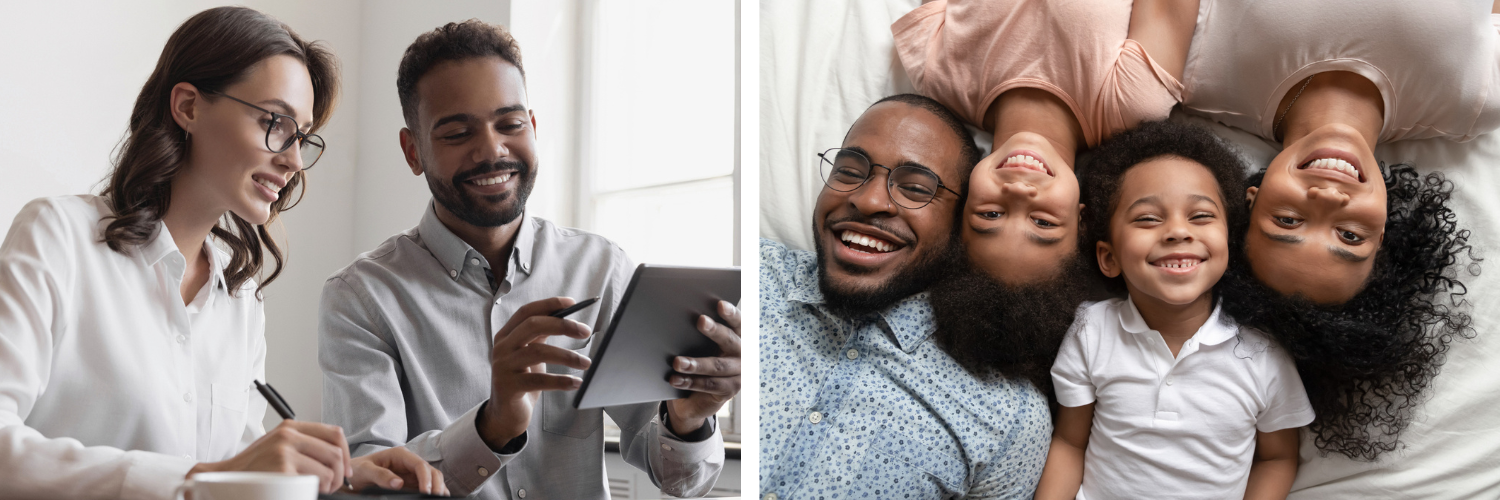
x: 1169, y: 427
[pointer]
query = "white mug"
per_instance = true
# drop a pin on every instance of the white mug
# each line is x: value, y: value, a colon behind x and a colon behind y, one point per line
x: 249, y: 486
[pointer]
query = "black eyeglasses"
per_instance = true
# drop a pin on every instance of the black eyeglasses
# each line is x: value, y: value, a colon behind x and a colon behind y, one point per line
x: 909, y: 186
x: 282, y: 131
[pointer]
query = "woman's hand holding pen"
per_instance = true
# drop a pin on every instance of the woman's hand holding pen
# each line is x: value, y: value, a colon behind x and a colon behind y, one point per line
x: 295, y: 447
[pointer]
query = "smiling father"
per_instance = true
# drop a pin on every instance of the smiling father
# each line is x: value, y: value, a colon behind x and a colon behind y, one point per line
x: 856, y: 400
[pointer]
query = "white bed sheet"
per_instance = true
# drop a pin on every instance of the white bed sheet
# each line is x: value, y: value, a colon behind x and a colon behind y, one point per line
x: 824, y: 62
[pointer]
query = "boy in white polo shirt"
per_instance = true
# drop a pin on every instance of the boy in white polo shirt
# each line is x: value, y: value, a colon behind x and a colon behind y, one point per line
x: 1163, y: 397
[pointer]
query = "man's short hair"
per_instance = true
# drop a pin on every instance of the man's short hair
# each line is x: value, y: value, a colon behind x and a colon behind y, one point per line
x: 451, y: 42
x: 969, y: 154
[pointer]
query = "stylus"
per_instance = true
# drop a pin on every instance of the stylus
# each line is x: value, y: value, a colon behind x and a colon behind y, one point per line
x: 564, y: 312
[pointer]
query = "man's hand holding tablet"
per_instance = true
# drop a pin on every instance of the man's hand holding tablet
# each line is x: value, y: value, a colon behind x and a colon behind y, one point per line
x: 713, y: 380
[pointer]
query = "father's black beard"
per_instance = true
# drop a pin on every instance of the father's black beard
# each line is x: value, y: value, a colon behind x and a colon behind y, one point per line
x: 1012, y: 332
x: 468, y: 209
x: 907, y: 281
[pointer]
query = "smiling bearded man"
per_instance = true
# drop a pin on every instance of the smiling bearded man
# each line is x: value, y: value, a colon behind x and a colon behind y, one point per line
x: 856, y: 401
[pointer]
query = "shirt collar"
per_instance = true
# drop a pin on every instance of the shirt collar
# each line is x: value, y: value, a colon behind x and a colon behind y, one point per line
x: 159, y: 247
x: 162, y: 246
x: 911, y: 319
x: 451, y: 250
x: 1214, y: 331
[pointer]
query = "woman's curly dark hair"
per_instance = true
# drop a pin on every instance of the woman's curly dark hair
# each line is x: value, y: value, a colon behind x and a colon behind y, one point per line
x: 1100, y: 180
x: 1366, y: 363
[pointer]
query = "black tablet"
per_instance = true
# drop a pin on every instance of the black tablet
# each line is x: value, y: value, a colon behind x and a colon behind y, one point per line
x: 654, y: 323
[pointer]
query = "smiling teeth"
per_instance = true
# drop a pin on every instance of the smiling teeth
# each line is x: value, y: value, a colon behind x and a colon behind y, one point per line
x: 1336, y: 165
x: 268, y: 185
x: 492, y: 180
x: 860, y: 239
x: 1178, y: 263
x: 1025, y: 161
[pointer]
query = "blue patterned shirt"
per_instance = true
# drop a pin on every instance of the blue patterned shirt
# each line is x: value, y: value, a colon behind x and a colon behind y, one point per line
x: 872, y: 408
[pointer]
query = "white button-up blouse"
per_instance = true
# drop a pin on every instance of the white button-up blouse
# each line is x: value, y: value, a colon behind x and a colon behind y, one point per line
x: 109, y: 386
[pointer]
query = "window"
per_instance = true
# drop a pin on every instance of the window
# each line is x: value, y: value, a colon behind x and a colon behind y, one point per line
x: 658, y: 155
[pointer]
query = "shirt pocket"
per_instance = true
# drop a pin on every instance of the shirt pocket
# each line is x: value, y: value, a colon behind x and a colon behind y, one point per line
x: 227, y: 413
x: 558, y: 415
x: 898, y: 466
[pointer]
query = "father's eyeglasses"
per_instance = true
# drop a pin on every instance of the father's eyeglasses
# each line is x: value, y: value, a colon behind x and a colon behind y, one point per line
x: 911, y: 187
x: 282, y: 131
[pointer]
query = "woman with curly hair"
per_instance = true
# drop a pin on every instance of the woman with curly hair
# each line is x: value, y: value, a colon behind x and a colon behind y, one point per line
x: 120, y: 303
x: 1349, y: 263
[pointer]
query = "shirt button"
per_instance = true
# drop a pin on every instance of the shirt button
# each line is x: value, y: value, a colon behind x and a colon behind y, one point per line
x: 852, y: 354
x: 474, y: 261
x: 1169, y: 381
x: 815, y: 417
x: 665, y: 447
x: 452, y: 273
x: 521, y: 493
x: 182, y: 339
x: 483, y: 472
x: 769, y: 496
x: 188, y: 397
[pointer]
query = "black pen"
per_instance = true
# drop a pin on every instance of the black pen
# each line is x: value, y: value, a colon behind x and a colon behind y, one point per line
x: 564, y: 312
x: 274, y: 399
x: 283, y: 409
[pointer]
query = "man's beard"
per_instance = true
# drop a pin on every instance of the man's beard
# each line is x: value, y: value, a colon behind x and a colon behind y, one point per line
x: 471, y: 209
x: 1014, y: 332
x: 905, y: 282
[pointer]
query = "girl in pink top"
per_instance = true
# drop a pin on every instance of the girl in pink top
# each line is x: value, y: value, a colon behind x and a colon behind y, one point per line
x: 1047, y: 77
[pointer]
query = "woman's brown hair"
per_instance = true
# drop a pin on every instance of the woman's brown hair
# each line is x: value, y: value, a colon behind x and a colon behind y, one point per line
x: 212, y: 50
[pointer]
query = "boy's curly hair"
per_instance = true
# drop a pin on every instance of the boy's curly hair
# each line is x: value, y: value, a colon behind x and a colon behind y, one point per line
x: 1100, y: 179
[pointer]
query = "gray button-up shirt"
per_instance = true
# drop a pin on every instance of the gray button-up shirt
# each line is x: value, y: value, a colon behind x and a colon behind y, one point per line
x: 404, y: 342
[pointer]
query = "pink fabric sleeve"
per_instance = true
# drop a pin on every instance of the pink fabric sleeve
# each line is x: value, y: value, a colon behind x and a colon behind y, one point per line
x: 1137, y: 90
x: 919, y: 34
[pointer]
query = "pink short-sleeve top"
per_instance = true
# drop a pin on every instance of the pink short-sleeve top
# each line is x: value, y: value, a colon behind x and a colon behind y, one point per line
x: 965, y: 53
x: 1435, y: 63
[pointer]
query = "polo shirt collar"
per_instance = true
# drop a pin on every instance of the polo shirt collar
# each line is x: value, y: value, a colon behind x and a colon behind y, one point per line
x: 452, y: 251
x: 1213, y: 332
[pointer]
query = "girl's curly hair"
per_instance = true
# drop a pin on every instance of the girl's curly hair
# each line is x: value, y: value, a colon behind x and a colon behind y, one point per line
x: 1365, y: 363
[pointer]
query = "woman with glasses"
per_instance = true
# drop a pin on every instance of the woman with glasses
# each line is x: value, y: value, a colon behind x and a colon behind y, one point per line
x: 129, y: 341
